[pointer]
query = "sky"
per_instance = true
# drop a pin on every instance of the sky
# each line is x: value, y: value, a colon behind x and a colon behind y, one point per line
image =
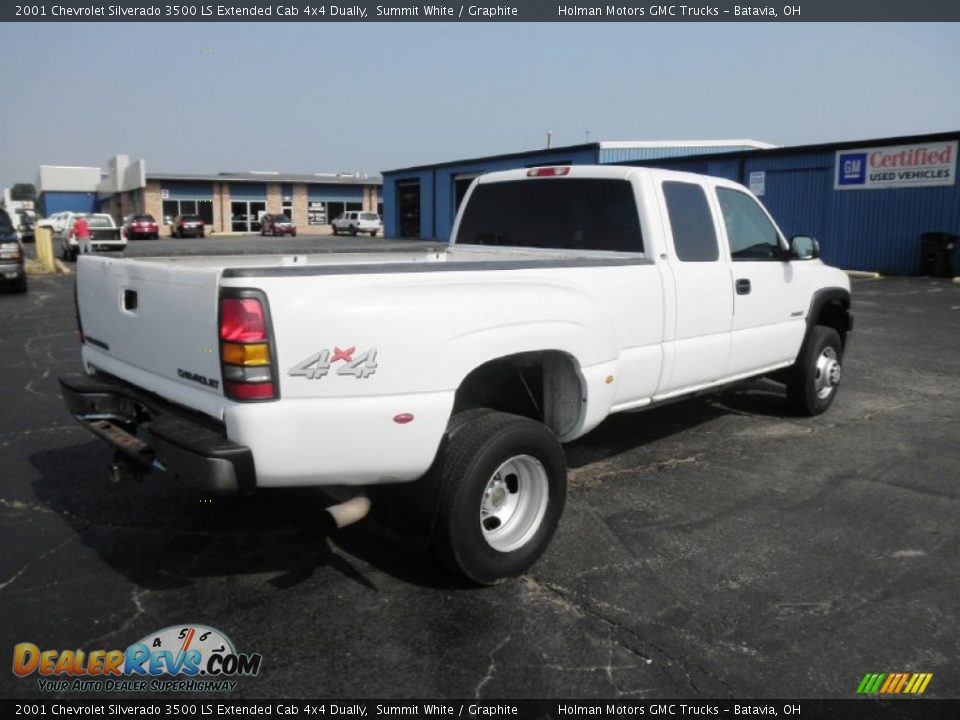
x: 311, y: 97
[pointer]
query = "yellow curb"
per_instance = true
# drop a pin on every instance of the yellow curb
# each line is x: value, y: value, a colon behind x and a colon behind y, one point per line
x: 864, y: 274
x: 956, y: 280
x: 62, y: 267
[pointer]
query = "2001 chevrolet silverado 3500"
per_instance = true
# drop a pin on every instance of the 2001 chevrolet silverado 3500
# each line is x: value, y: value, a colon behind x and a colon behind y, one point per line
x: 566, y: 294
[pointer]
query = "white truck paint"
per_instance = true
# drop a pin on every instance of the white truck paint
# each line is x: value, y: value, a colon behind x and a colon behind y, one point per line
x: 549, y: 340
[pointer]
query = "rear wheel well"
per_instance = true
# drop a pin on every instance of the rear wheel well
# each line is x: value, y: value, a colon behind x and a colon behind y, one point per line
x: 544, y: 386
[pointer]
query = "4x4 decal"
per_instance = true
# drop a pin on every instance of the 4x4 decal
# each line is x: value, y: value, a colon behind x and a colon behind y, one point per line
x: 319, y: 364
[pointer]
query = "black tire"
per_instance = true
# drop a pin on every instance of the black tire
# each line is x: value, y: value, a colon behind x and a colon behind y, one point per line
x: 201, y: 235
x: 72, y: 255
x: 813, y: 383
x: 353, y: 230
x: 468, y: 469
x: 21, y: 286
x: 334, y: 229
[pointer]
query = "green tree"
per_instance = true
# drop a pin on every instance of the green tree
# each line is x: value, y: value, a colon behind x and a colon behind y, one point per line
x: 23, y: 191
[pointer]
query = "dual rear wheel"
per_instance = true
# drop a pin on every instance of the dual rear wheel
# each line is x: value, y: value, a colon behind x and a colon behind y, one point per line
x: 503, y: 486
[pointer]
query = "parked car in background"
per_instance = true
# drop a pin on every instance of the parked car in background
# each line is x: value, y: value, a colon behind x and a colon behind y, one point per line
x: 277, y: 225
x: 12, y: 270
x: 187, y: 226
x: 55, y: 222
x: 140, y: 226
x: 23, y: 223
x: 357, y: 221
x: 104, y: 235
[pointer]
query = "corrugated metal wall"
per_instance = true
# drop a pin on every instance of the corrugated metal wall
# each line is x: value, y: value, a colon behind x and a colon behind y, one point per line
x: 857, y: 229
x: 437, y: 205
x: 628, y: 154
x: 54, y: 202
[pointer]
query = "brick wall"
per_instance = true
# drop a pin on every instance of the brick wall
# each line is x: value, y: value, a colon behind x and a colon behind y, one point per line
x: 153, y: 204
x: 274, y: 199
x: 221, y: 207
x: 300, y: 208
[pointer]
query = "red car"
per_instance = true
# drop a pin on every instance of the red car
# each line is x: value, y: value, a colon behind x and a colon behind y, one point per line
x: 277, y: 225
x: 141, y: 226
x: 186, y: 226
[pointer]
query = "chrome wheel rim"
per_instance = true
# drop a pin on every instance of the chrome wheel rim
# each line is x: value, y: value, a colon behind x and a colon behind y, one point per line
x: 828, y: 373
x: 514, y: 503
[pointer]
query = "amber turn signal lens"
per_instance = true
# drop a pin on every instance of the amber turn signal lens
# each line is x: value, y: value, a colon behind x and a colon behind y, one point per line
x: 252, y: 354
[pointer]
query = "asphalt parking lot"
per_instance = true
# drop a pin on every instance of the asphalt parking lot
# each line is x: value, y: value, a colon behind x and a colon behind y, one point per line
x: 715, y: 548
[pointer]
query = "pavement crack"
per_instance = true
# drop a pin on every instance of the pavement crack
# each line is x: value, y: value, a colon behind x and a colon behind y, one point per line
x: 587, y: 476
x: 615, y: 627
x: 491, y: 668
x: 136, y: 598
x: 13, y: 578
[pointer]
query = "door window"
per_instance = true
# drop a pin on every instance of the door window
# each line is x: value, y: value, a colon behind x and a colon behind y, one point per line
x: 694, y: 236
x: 749, y: 231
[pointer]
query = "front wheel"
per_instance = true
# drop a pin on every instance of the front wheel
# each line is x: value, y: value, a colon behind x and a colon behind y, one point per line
x: 814, y: 381
x: 503, y: 485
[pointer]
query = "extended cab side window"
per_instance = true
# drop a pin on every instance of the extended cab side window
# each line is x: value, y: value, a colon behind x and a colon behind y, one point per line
x: 749, y: 231
x: 694, y: 236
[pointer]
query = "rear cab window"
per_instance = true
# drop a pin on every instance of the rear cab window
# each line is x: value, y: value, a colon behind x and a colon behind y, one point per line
x: 691, y: 223
x: 568, y: 213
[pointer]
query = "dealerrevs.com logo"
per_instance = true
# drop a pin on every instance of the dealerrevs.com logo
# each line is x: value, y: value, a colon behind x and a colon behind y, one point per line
x: 180, y: 658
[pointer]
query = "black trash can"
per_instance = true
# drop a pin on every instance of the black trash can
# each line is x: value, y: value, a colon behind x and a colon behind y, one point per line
x: 937, y: 254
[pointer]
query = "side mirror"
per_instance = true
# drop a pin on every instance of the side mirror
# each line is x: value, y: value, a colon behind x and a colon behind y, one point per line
x: 804, y: 247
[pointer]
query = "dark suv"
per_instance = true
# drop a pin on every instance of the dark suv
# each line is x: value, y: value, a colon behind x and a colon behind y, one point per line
x: 187, y: 226
x: 277, y: 225
x: 12, y: 269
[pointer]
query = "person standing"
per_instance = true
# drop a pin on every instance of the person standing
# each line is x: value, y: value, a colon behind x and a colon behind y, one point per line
x: 81, y: 231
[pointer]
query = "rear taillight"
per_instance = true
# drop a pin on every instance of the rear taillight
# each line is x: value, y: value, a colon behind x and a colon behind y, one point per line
x: 247, y: 361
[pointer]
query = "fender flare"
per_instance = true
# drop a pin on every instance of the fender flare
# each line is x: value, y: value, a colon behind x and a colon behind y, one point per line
x: 820, y: 299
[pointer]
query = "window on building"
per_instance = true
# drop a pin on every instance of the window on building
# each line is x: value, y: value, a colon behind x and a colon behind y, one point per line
x: 694, y: 236
x: 749, y: 231
x: 317, y: 213
x: 335, y: 210
x: 172, y: 208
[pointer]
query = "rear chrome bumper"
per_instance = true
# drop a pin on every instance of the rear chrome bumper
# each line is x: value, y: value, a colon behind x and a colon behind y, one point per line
x: 154, y: 433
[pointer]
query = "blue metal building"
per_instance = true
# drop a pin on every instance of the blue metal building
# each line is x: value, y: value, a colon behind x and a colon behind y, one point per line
x: 867, y: 201
x: 834, y: 193
x: 422, y: 201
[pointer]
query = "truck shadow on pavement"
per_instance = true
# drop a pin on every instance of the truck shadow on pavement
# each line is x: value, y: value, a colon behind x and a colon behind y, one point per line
x: 162, y: 534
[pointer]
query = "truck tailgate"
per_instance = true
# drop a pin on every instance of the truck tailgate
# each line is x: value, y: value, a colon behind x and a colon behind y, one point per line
x: 154, y: 325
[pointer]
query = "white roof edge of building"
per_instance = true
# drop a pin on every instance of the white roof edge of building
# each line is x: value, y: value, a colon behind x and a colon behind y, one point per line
x: 626, y: 144
x: 72, y: 167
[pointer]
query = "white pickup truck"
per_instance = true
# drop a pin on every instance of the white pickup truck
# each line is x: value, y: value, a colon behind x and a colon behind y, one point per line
x: 566, y: 294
